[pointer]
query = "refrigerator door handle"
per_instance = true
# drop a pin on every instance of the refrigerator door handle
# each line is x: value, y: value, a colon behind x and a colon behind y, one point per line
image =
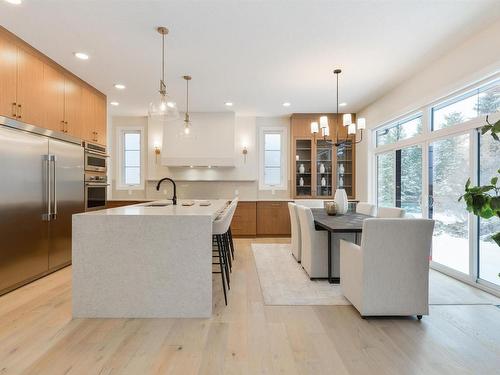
x: 47, y: 215
x: 53, y: 158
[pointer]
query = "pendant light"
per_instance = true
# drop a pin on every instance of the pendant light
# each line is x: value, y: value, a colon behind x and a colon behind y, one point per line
x: 165, y: 108
x: 346, y: 121
x: 187, y: 121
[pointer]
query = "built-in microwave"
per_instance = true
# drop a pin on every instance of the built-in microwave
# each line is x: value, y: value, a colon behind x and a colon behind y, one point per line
x: 96, y: 159
x: 96, y: 187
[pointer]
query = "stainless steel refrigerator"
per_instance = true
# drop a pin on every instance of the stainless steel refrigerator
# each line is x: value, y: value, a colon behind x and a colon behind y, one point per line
x: 41, y: 187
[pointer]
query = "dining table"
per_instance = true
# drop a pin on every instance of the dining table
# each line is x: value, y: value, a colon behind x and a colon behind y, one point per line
x: 348, y: 223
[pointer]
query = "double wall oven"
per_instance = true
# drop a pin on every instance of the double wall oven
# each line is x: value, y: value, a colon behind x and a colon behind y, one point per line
x: 96, y: 184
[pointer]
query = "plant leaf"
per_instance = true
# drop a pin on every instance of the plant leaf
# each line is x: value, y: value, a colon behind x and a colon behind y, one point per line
x: 496, y: 238
x: 494, y: 180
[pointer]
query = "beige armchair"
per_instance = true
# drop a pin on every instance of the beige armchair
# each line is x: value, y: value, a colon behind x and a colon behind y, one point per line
x: 389, y: 273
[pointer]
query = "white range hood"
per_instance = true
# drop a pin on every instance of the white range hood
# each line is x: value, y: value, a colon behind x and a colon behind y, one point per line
x: 210, y: 142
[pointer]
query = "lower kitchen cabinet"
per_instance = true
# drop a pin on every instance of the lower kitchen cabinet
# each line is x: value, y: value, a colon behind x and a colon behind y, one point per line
x: 273, y: 218
x: 244, y: 222
x: 262, y: 218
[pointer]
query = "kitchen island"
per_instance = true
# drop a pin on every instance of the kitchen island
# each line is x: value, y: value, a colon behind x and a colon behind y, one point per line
x: 149, y: 260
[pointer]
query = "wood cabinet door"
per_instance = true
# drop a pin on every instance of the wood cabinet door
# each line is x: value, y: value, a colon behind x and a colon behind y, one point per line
x: 73, y: 107
x: 8, y: 78
x: 88, y: 115
x: 244, y: 221
x: 29, y: 88
x: 53, y: 99
x: 100, y: 119
x: 273, y: 218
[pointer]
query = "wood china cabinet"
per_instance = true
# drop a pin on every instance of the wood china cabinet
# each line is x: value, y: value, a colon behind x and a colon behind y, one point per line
x: 318, y: 169
x: 36, y: 90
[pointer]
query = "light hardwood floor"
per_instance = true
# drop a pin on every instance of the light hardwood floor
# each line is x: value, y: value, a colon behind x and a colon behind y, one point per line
x: 38, y: 336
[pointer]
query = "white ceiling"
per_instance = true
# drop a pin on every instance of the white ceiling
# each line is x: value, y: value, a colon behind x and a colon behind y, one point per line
x: 256, y: 54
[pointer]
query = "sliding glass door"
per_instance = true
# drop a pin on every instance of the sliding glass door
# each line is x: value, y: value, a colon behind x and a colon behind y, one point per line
x: 448, y: 171
x: 399, y: 180
x: 489, y: 252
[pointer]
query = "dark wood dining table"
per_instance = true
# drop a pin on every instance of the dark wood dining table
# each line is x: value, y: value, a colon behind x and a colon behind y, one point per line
x: 351, y: 222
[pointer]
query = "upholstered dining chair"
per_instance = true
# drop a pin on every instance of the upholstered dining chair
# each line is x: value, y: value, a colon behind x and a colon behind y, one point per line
x: 390, y: 212
x: 295, y: 226
x: 314, y: 254
x: 365, y: 208
x: 389, y: 273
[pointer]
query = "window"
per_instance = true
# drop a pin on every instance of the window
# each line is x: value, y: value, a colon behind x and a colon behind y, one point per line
x: 130, y: 168
x: 399, y: 180
x: 273, y: 161
x: 475, y: 103
x: 399, y: 130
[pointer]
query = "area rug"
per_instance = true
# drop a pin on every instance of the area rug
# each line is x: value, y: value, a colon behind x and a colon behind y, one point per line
x: 283, y: 281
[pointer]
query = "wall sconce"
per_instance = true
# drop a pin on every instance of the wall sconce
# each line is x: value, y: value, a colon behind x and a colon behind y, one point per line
x: 157, y: 152
x: 244, y: 152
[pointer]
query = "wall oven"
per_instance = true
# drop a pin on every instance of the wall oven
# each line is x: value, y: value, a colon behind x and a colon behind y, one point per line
x: 96, y: 187
x: 96, y: 159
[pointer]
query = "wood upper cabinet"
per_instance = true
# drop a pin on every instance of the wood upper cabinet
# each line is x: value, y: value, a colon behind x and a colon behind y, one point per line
x: 100, y: 119
x: 53, y: 99
x: 8, y: 78
x: 93, y: 116
x: 37, y: 91
x: 72, y: 107
x: 29, y: 88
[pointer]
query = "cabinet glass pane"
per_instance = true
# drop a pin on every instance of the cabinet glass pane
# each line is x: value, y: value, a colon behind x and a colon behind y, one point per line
x: 344, y: 178
x: 303, y: 148
x: 323, y: 169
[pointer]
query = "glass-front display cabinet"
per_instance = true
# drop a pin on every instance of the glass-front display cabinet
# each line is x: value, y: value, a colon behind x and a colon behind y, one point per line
x: 303, y: 167
x: 317, y: 167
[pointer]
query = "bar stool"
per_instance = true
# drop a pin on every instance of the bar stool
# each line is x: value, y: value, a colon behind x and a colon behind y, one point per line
x: 220, y: 228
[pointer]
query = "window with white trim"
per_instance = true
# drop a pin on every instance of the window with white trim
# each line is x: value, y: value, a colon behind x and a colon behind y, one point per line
x: 273, y: 159
x: 130, y: 166
x: 464, y: 107
x: 398, y: 130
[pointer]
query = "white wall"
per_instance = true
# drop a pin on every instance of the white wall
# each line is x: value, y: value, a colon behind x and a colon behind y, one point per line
x: 475, y: 59
x: 203, y: 183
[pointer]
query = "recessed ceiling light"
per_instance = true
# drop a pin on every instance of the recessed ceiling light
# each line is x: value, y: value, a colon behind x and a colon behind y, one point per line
x: 15, y: 2
x: 81, y: 55
x: 286, y: 104
x: 114, y: 103
x: 119, y: 86
x: 228, y: 104
x: 343, y: 104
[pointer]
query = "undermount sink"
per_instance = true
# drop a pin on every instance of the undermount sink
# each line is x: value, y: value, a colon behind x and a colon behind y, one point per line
x: 158, y: 205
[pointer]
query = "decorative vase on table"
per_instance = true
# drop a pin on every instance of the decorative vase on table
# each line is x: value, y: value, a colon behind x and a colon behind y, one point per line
x: 302, y: 169
x: 341, y: 200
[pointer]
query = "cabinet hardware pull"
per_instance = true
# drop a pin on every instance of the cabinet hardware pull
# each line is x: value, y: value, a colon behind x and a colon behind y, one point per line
x: 20, y: 111
x: 14, y: 109
x: 62, y: 122
x: 66, y: 124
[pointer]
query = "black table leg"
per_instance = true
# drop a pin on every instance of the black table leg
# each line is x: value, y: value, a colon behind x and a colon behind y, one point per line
x: 330, y: 276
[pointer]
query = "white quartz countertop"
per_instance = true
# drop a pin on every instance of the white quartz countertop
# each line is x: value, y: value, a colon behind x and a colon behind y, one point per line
x: 145, y: 209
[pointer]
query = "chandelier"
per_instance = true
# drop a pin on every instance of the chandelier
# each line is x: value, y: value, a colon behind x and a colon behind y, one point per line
x: 352, y: 127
